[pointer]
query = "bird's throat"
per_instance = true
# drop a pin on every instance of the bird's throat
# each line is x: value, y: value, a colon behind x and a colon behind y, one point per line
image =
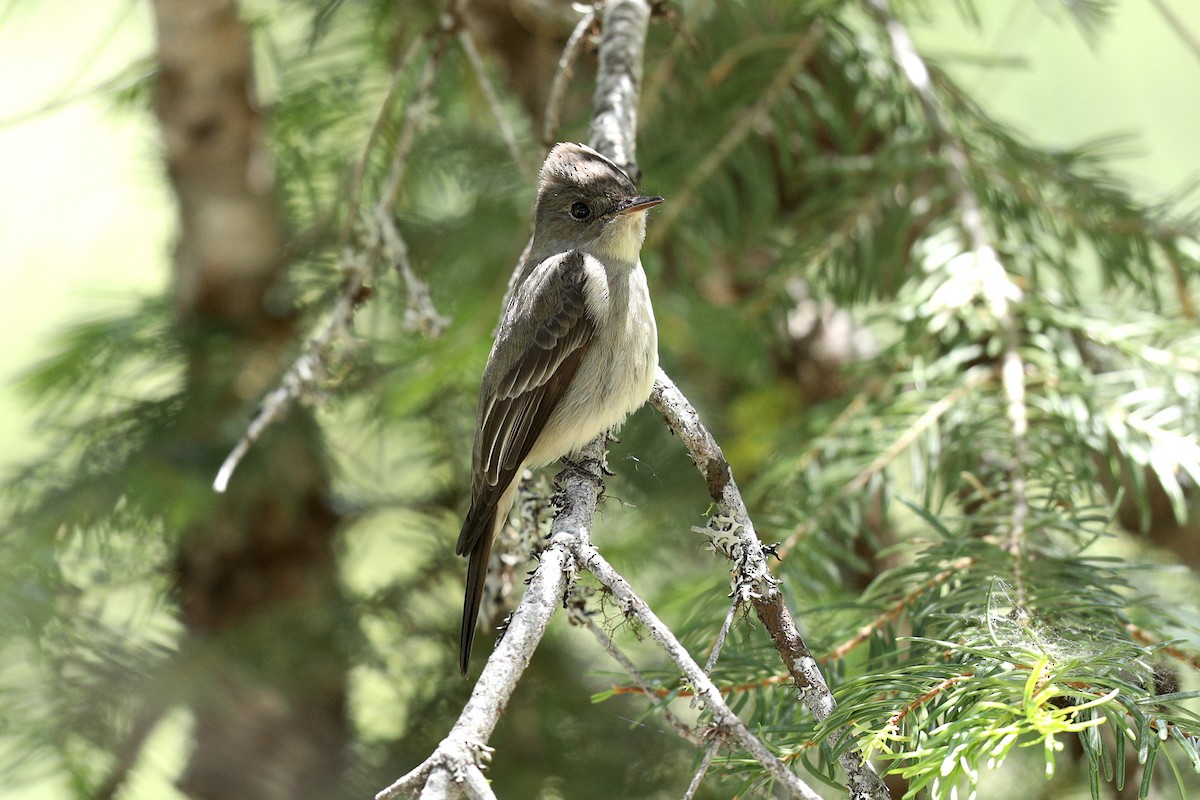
x: 621, y: 239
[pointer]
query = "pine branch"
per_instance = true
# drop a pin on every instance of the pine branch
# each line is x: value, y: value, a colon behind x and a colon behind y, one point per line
x: 737, y: 133
x: 1176, y: 24
x: 310, y: 365
x: 734, y: 535
x: 973, y: 380
x: 983, y: 276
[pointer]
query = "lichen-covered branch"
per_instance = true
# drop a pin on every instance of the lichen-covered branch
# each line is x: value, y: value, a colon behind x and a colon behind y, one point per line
x: 619, y: 83
x: 465, y: 746
x: 732, y: 532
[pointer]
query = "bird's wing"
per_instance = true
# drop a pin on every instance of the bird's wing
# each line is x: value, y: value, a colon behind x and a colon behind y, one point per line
x: 529, y: 380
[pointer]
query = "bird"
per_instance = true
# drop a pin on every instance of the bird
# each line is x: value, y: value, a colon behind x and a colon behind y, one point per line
x: 575, y: 352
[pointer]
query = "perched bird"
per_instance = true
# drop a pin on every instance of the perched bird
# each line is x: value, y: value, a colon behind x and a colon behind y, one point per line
x: 576, y: 349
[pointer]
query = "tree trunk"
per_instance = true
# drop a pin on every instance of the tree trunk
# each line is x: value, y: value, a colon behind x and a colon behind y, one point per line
x: 255, y: 568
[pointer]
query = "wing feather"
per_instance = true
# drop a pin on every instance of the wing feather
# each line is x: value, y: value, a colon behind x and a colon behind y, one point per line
x: 528, y: 380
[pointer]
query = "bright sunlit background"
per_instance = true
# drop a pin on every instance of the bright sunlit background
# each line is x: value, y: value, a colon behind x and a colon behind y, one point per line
x: 87, y: 216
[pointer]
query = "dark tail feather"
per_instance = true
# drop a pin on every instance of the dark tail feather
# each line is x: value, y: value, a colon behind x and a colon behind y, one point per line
x: 476, y: 577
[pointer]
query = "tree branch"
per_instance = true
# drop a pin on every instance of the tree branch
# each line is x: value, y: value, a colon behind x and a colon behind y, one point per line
x: 558, y: 88
x: 619, y: 82
x: 385, y: 238
x: 489, y: 93
x: 589, y: 558
x: 465, y: 745
x: 733, y: 533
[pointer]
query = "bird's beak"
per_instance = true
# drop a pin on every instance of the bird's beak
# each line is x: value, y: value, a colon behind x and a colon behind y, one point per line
x: 639, y: 203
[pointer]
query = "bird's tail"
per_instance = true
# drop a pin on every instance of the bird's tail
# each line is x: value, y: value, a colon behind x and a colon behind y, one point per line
x: 477, y: 567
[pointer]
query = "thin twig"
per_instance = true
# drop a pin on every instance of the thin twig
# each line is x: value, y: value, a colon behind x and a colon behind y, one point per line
x: 682, y: 728
x: 354, y: 192
x: 589, y: 558
x: 562, y: 75
x: 1175, y: 23
x: 893, y: 611
x: 385, y: 237
x: 493, y: 101
x: 298, y: 376
x: 895, y: 449
x: 705, y: 763
x: 1186, y: 305
x: 416, y: 113
x: 719, y: 644
x: 899, y: 716
x: 1139, y: 634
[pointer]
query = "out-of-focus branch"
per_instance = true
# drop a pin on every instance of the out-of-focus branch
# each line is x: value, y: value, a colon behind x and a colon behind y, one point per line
x: 1178, y: 27
x: 982, y: 275
x: 562, y: 75
x: 384, y: 238
x: 746, y: 122
x: 489, y: 93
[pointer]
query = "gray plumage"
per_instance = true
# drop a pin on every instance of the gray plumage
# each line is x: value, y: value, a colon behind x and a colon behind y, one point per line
x: 576, y: 349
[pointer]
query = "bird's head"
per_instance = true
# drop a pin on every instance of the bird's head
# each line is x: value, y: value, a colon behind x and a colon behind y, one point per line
x: 587, y: 202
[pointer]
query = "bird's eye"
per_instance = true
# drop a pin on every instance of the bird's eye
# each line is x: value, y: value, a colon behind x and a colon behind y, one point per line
x: 581, y: 211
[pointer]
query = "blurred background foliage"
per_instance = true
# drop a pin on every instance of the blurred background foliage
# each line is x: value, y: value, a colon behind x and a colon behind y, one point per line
x: 800, y: 269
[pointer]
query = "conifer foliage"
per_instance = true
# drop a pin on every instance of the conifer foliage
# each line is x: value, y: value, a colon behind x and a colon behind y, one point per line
x: 956, y: 374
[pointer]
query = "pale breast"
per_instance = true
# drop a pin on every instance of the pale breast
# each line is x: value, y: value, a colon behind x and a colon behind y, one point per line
x: 615, y: 377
